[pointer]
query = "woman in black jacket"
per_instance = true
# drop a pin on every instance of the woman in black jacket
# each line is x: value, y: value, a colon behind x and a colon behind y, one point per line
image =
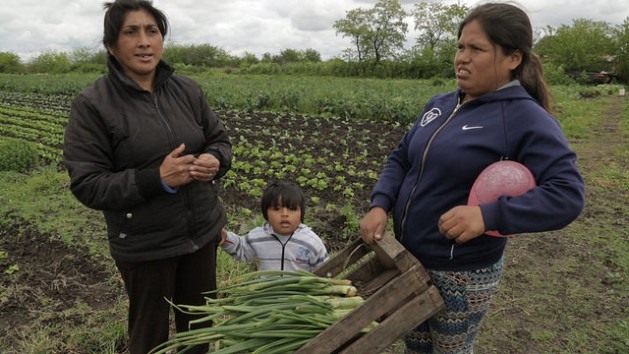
x: 143, y: 146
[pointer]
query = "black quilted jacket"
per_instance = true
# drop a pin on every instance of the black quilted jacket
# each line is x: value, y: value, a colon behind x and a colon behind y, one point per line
x: 118, y: 135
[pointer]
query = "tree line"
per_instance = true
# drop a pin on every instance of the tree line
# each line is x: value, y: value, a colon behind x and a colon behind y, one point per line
x: 377, y: 38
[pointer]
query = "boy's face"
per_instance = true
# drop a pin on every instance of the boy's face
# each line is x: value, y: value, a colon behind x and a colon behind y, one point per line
x: 284, y: 220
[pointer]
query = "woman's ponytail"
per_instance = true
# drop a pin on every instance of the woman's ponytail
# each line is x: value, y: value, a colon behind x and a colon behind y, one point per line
x: 532, y: 78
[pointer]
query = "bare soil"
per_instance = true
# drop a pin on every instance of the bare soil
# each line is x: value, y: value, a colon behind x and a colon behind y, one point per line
x: 51, y: 278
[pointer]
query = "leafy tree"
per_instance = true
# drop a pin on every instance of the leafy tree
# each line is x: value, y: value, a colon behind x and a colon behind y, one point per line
x: 10, y: 63
x: 50, y: 62
x: 203, y: 55
x: 311, y: 55
x: 81, y: 55
x: 267, y: 58
x: 248, y: 59
x: 377, y: 34
x: 621, y: 36
x: 174, y: 53
x: 437, y: 23
x: 355, y: 25
x: 389, y: 30
x: 100, y: 57
x: 85, y: 60
x: 287, y: 56
x: 435, y: 47
x: 583, y: 46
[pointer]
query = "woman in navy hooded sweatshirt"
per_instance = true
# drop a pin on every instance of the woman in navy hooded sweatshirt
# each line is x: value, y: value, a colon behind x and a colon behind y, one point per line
x: 500, y: 111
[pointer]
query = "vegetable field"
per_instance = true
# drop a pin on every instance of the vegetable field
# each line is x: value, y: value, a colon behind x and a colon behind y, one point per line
x: 336, y: 160
x: 563, y: 291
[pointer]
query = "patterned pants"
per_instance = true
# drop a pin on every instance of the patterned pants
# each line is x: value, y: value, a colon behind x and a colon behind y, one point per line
x: 467, y: 295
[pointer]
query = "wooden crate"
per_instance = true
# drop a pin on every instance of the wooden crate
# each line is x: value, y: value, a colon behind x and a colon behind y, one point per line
x: 398, y: 296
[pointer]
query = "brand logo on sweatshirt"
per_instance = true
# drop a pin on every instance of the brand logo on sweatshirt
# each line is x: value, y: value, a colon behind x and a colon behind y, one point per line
x: 470, y: 127
x: 430, y: 116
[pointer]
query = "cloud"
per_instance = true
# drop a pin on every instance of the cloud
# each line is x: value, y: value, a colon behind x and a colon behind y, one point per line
x: 30, y: 27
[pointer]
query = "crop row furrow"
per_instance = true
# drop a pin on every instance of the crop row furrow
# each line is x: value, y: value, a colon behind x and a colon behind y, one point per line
x: 27, y: 112
x: 32, y: 134
x: 44, y: 126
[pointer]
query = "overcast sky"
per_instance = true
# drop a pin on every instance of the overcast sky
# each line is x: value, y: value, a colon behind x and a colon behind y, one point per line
x: 31, y: 27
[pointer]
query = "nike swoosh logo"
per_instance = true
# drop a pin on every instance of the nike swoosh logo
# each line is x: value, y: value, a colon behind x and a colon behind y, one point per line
x: 466, y: 127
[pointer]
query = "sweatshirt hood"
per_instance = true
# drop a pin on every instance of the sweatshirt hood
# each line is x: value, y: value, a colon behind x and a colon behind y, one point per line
x: 512, y: 90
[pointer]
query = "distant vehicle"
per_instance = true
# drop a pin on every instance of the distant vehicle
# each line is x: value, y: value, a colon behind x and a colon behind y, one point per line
x: 593, y: 77
x: 602, y: 77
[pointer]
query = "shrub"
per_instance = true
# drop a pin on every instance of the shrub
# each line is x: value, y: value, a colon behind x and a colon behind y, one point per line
x: 17, y: 155
x: 556, y: 75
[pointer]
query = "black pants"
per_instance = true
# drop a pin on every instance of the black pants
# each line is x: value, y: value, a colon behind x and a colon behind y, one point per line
x: 181, y: 279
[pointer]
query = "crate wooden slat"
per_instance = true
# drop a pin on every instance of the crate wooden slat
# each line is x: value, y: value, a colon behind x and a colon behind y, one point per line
x: 402, y: 321
x: 398, y: 296
x: 349, y: 255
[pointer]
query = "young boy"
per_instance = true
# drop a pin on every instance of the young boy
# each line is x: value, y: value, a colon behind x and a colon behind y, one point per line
x: 283, y: 242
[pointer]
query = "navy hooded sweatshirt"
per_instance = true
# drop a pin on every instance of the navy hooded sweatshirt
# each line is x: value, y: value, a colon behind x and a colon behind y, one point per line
x: 437, y: 161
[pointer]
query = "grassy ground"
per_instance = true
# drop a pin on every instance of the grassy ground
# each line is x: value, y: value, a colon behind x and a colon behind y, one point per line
x: 563, y: 291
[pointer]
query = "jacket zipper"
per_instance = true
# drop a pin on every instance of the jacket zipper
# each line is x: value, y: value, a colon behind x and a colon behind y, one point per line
x: 283, y: 247
x: 172, y: 140
x: 169, y: 128
x: 421, y: 170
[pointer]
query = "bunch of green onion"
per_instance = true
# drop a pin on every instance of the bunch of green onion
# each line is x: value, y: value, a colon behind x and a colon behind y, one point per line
x: 267, y: 312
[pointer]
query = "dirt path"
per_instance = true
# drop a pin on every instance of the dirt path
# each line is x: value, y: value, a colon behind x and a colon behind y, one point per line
x: 604, y: 159
x: 600, y: 150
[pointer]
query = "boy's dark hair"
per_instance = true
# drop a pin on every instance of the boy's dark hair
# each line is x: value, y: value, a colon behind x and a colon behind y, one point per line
x: 283, y: 193
x: 115, y: 16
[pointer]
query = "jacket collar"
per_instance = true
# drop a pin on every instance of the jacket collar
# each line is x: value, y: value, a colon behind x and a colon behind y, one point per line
x: 163, y: 72
x: 269, y: 229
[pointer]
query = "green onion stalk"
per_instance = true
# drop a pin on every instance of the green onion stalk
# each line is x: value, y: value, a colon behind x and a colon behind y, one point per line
x: 266, y: 312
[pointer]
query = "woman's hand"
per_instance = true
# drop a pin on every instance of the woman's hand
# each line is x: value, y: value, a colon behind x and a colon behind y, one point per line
x: 205, y: 167
x: 175, y: 169
x: 462, y: 223
x: 373, y: 225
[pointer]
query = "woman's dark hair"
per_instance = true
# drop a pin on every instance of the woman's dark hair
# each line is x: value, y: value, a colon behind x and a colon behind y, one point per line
x: 115, y: 16
x: 509, y: 27
x: 283, y: 194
